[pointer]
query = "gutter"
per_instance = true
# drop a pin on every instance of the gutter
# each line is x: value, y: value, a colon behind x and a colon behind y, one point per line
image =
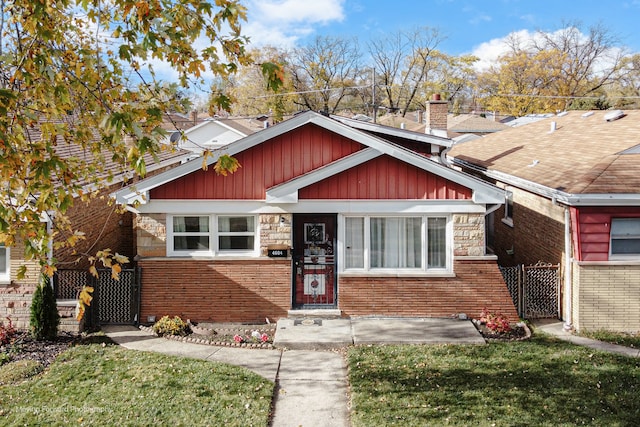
x: 568, y: 199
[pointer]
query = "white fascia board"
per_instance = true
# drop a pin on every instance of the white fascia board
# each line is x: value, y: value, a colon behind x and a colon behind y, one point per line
x: 287, y: 192
x: 383, y: 207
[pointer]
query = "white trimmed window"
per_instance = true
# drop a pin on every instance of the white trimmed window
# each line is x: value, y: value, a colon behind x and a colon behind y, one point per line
x: 393, y: 243
x: 211, y: 235
x: 5, y: 264
x: 625, y: 238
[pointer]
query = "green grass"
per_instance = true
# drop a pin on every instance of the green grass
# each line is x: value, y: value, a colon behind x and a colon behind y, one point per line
x: 99, y: 384
x: 620, y: 338
x: 541, y: 382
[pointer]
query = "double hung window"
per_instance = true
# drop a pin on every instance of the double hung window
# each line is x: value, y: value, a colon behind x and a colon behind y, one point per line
x: 412, y: 243
x: 625, y: 238
x: 212, y: 235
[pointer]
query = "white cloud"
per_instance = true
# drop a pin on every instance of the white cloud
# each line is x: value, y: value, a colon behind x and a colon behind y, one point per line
x: 283, y: 22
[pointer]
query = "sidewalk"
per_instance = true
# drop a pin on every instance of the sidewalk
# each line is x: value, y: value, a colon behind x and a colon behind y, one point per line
x: 556, y: 328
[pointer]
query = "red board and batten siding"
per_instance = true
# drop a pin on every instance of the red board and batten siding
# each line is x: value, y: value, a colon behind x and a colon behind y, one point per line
x: 303, y: 150
x: 263, y: 166
x: 385, y: 178
x: 592, y: 227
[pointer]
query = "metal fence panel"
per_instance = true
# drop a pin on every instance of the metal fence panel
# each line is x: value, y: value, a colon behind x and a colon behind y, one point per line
x: 114, y: 301
x: 535, y: 289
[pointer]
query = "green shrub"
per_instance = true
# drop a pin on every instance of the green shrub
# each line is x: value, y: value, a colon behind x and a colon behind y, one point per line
x: 44, y: 318
x: 171, y: 326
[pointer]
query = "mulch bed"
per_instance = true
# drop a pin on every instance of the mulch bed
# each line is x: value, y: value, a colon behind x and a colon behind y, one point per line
x: 518, y: 332
x: 23, y: 347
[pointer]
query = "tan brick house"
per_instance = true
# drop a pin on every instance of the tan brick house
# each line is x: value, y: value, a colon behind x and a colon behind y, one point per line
x: 325, y: 213
x: 573, y: 198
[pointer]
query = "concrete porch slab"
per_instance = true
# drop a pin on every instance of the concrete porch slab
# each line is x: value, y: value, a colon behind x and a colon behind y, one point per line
x: 310, y: 334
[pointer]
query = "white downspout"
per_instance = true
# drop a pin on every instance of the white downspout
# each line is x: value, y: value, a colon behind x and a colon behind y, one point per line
x: 567, y: 271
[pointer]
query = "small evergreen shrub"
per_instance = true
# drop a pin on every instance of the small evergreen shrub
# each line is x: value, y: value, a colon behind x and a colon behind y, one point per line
x: 171, y: 326
x: 44, y: 318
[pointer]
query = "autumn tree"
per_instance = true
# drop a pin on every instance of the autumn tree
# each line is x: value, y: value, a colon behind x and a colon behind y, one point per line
x: 81, y: 73
x: 403, y: 62
x: 520, y: 83
x: 325, y: 72
x: 625, y: 91
x: 553, y: 70
x: 250, y: 91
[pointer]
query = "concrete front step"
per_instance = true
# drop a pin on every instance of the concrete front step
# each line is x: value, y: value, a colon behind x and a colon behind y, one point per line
x: 317, y: 313
x: 69, y: 324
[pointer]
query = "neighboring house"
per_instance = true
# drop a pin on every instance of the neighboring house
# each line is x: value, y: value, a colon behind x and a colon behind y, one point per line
x: 437, y: 121
x: 320, y: 215
x: 98, y: 219
x: 573, y: 199
x: 210, y: 135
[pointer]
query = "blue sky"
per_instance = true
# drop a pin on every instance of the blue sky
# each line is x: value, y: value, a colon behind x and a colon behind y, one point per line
x: 469, y: 26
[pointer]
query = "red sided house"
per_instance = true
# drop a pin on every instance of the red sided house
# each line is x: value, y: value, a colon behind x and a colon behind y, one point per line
x: 323, y: 213
x: 573, y: 191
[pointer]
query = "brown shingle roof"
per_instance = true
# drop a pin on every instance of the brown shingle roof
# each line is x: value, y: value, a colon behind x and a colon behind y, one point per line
x: 581, y: 156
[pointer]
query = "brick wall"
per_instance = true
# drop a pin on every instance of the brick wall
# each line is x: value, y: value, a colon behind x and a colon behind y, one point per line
x: 468, y: 235
x: 216, y: 290
x: 477, y: 284
x: 606, y: 296
x: 104, y: 227
x: 537, y: 233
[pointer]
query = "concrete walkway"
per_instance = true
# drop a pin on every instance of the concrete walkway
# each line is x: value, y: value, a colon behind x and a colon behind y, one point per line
x: 556, y: 328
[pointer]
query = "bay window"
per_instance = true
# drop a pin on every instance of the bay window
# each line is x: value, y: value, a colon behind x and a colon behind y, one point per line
x: 211, y: 235
x: 411, y: 243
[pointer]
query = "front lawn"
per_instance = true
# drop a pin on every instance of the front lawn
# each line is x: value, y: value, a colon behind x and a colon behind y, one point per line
x: 537, y: 382
x: 102, y: 384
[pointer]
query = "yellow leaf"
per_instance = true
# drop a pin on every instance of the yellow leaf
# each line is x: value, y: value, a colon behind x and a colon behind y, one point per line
x: 115, y: 271
x: 93, y: 271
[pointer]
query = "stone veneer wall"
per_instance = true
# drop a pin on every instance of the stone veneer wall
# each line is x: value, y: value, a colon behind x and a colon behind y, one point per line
x: 606, y: 295
x: 151, y: 234
x: 273, y: 232
x: 468, y: 235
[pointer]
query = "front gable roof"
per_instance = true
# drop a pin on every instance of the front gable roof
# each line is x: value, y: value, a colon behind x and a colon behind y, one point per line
x: 287, y: 191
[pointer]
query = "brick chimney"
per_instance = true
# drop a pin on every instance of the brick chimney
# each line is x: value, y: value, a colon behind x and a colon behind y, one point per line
x: 436, y: 115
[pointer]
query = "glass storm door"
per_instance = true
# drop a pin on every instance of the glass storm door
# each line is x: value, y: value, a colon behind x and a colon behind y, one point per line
x: 314, y: 243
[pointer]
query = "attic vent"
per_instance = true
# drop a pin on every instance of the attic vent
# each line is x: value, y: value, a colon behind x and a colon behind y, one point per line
x: 614, y: 115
